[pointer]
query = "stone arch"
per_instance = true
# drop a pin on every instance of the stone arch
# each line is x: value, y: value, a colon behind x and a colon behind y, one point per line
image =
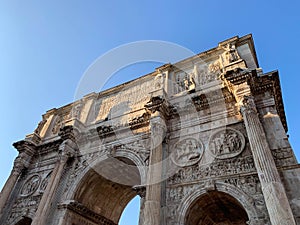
x: 136, y: 159
x: 24, y: 221
x: 103, y: 195
x: 242, y: 198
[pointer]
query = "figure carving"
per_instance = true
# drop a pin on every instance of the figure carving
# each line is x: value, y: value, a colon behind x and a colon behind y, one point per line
x: 220, y: 168
x: 187, y: 152
x: 214, y: 68
x: 30, y: 185
x: 226, y: 143
x: 158, y: 81
x: 230, y: 55
x: 76, y: 110
x: 189, y: 82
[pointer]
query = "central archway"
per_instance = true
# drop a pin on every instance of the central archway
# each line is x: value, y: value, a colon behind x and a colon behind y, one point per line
x: 216, y: 208
x: 105, y: 190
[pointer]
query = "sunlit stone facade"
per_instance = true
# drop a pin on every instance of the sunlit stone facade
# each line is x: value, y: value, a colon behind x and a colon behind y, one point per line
x: 202, y: 141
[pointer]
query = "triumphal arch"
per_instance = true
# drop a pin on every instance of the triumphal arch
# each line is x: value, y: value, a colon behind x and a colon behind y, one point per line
x: 201, y: 141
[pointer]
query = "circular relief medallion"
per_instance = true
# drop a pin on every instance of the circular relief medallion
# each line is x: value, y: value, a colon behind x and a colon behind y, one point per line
x: 187, y: 152
x: 226, y: 143
x: 30, y: 185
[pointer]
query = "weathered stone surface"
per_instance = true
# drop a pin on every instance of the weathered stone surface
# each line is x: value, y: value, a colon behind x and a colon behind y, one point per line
x: 202, y: 141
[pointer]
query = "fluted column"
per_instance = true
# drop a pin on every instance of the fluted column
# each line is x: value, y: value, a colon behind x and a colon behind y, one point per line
x: 152, y: 202
x: 274, y: 193
x: 26, y: 150
x: 67, y: 149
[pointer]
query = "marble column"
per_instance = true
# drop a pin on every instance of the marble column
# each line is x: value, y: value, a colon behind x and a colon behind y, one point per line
x: 66, y: 150
x: 274, y: 193
x: 152, y: 204
x: 26, y: 150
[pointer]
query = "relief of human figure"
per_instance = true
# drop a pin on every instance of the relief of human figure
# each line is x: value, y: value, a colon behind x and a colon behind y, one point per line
x: 189, y: 82
x: 230, y: 55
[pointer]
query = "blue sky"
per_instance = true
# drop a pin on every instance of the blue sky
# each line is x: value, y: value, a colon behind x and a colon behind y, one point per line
x: 45, y: 47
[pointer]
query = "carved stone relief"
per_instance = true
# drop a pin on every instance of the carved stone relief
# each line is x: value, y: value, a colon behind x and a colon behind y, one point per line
x: 284, y: 157
x: 119, y: 104
x: 76, y: 110
x: 226, y: 143
x: 230, y: 55
x: 217, y: 168
x: 187, y: 152
x: 44, y: 182
x: 248, y: 184
x: 59, y: 121
x: 159, y: 81
x: 23, y: 207
x: 30, y: 185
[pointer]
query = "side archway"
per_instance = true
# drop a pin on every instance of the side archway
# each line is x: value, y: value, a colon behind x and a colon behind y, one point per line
x: 105, y: 187
x: 224, y: 205
x: 24, y: 221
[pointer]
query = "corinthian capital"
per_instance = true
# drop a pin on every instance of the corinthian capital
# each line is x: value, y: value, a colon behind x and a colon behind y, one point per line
x: 248, y: 105
x: 158, y: 125
x: 68, y: 148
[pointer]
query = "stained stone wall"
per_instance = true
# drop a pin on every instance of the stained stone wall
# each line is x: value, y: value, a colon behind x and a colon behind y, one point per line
x: 202, y: 141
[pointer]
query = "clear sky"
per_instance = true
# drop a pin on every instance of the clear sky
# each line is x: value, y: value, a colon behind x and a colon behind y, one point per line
x: 45, y: 47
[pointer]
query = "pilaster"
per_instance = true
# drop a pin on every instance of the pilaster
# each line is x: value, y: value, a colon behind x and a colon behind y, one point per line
x: 26, y: 151
x: 152, y: 204
x: 67, y: 149
x: 274, y: 194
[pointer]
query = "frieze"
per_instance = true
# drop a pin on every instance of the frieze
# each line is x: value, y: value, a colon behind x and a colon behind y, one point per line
x: 218, y: 168
x: 30, y: 185
x: 176, y: 194
x: 187, y: 152
x: 108, y: 127
x: 249, y: 184
x: 115, y: 104
x: 22, y: 206
x: 284, y: 157
x: 213, y: 98
x: 139, y: 147
x: 226, y: 143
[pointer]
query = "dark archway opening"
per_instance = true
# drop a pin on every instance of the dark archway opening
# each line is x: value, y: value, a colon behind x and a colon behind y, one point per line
x: 216, y: 208
x: 105, y: 191
x: 24, y: 221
